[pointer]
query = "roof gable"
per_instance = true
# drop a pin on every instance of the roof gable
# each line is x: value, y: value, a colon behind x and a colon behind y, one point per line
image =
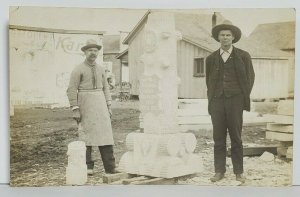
x: 111, y: 44
x: 277, y: 35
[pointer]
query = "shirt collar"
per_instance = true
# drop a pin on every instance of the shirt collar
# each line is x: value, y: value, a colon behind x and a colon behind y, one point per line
x: 229, y: 50
x: 87, y: 63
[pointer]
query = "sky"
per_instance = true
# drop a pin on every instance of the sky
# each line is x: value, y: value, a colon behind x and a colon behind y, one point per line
x: 248, y: 19
x: 114, y: 20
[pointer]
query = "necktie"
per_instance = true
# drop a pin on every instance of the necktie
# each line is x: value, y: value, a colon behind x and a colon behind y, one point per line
x: 94, y: 77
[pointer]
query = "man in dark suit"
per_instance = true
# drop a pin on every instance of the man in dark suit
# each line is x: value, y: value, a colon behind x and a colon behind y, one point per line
x: 229, y: 80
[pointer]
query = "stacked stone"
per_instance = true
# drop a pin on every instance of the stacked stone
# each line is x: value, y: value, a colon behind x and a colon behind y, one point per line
x: 76, y: 171
x: 282, y: 129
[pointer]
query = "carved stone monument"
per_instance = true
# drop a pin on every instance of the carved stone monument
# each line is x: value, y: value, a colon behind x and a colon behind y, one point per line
x: 76, y: 171
x: 161, y: 151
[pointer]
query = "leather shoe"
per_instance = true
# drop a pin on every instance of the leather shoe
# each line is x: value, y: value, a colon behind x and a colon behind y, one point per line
x: 90, y: 171
x: 240, y: 177
x: 113, y: 171
x: 218, y: 176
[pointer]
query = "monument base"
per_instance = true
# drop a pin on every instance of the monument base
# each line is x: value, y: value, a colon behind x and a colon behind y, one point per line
x: 164, y: 155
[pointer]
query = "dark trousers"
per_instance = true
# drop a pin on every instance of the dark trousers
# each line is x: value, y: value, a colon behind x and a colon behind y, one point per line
x: 107, y: 155
x: 227, y: 115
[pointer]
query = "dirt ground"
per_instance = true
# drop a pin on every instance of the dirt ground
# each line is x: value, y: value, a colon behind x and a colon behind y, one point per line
x: 39, y: 139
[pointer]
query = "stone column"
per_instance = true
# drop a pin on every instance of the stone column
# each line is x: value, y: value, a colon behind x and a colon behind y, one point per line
x: 161, y: 151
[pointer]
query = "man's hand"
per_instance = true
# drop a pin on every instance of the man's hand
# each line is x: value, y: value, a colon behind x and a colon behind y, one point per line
x: 109, y: 110
x: 76, y: 115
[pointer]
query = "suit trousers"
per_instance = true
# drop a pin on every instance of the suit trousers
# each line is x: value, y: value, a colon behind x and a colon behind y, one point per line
x: 107, y: 155
x: 227, y: 115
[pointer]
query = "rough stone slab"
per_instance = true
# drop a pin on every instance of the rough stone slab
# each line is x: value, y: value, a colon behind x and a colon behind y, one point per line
x: 256, y: 151
x: 155, y: 181
x: 281, y: 151
x: 286, y: 107
x: 130, y: 180
x: 271, y: 135
x: 109, y: 178
x: 286, y: 144
x: 284, y: 128
x: 264, y: 107
x: 266, y: 156
x: 289, y: 153
x: 279, y: 119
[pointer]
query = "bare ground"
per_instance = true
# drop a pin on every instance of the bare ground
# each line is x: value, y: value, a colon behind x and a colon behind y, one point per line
x: 39, y: 139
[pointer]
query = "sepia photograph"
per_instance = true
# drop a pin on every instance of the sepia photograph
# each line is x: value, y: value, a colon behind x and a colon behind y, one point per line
x: 102, y: 96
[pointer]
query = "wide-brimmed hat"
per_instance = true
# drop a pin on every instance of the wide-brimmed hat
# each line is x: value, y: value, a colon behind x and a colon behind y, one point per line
x: 226, y: 25
x: 91, y: 44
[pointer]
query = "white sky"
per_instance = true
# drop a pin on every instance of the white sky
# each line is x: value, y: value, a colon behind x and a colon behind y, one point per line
x: 114, y: 20
x: 248, y: 19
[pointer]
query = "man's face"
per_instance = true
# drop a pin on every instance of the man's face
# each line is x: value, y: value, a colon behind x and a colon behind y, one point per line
x: 226, y: 37
x: 91, y: 54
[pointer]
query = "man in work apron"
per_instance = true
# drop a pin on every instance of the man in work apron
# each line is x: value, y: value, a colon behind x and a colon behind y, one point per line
x: 90, y: 101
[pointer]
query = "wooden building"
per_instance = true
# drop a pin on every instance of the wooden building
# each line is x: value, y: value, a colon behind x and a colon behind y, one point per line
x: 280, y: 36
x: 124, y: 70
x: 270, y: 64
x: 111, y: 48
x: 41, y: 61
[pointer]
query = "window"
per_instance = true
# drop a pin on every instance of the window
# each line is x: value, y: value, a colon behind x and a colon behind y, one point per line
x: 199, y: 67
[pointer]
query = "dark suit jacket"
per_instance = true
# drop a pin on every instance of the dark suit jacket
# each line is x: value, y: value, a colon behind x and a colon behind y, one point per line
x: 244, y: 69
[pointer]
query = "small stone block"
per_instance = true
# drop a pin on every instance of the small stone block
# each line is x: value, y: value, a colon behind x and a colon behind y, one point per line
x: 266, y: 156
x: 286, y: 107
x: 130, y: 180
x: 256, y: 151
x: 155, y: 181
x: 109, y: 178
x: 280, y: 127
x: 289, y: 153
x: 279, y: 136
x: 281, y: 151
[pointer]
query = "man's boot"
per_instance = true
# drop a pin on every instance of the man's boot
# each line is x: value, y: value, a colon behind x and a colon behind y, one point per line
x: 218, y: 176
x: 90, y: 168
x: 240, y: 177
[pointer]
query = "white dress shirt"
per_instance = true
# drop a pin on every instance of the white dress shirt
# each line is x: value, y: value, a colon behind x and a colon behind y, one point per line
x: 225, y: 54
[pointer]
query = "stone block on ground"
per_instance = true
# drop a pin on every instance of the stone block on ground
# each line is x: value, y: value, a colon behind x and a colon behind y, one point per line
x: 272, y: 135
x: 279, y: 119
x: 286, y: 107
x: 256, y: 151
x: 281, y: 151
x: 283, y: 147
x: 289, y: 153
x: 109, y: 178
x: 266, y: 156
x: 284, y: 128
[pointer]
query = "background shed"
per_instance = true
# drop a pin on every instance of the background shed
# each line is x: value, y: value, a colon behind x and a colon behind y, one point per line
x: 271, y: 65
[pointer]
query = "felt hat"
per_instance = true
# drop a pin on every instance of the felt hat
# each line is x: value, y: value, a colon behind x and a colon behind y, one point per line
x: 226, y: 25
x: 90, y: 43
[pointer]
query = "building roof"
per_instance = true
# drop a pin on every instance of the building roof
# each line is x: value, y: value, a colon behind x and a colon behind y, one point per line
x: 261, y: 50
x: 111, y: 44
x: 120, y: 55
x: 196, y: 29
x: 277, y: 35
